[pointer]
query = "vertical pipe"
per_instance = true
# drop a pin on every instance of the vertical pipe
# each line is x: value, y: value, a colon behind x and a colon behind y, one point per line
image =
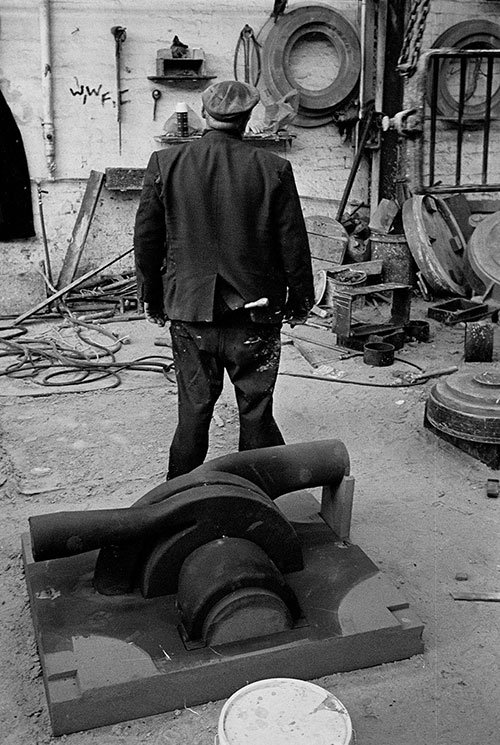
x: 362, y: 75
x: 379, y: 94
x: 487, y: 120
x: 393, y: 148
x: 460, y: 124
x: 435, y: 68
x: 46, y: 70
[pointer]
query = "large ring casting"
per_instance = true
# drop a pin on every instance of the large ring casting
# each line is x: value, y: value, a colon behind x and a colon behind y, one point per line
x: 474, y: 34
x: 301, y: 22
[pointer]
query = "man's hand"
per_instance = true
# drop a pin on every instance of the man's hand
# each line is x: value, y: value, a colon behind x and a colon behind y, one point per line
x: 296, y: 320
x: 154, y: 315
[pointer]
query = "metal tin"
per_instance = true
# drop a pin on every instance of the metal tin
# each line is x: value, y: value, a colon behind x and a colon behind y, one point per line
x: 378, y: 353
x: 284, y: 711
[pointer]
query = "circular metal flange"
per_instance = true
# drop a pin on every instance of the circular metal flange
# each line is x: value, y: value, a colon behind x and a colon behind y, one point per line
x: 310, y: 23
x: 482, y: 252
x: 466, y: 405
x: 478, y: 34
x: 436, y: 243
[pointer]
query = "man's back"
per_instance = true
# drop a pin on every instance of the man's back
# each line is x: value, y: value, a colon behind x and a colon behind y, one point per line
x: 232, y: 212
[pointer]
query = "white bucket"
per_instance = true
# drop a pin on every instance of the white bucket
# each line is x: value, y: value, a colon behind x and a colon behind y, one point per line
x: 284, y: 711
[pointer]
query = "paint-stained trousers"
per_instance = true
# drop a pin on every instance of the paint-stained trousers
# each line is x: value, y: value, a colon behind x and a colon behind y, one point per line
x: 250, y: 353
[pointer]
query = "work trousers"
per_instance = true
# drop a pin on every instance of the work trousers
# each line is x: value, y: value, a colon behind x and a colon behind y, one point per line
x: 250, y: 353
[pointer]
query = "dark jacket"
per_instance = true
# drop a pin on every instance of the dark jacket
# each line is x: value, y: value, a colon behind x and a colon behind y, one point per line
x: 218, y: 211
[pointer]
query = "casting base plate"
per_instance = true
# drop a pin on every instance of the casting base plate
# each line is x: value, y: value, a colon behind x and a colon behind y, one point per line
x: 108, y: 659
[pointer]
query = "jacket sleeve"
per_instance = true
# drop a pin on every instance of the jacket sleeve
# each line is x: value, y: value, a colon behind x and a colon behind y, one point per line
x: 150, y: 238
x: 294, y: 246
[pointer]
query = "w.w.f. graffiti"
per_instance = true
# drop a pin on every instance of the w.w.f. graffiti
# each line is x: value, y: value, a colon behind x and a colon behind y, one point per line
x: 86, y: 92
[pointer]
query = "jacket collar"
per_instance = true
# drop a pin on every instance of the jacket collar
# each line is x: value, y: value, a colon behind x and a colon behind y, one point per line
x: 234, y: 134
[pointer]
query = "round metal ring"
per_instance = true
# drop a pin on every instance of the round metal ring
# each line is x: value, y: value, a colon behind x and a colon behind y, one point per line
x: 314, y: 22
x: 479, y: 34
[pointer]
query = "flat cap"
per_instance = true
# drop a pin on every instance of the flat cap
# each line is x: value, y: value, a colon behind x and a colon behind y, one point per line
x: 229, y: 99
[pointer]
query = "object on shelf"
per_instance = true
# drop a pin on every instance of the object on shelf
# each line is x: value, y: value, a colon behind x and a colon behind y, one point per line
x: 190, y: 66
x: 193, y: 124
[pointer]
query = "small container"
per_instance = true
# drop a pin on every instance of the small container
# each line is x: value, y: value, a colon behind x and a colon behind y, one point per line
x: 378, y: 353
x: 284, y: 711
x: 417, y: 330
x: 346, y: 278
x: 397, y: 262
x: 181, y: 111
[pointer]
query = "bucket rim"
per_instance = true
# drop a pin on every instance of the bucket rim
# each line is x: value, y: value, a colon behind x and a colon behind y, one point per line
x: 273, y: 682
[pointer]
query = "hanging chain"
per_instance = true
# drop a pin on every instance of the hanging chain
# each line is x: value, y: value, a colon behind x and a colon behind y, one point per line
x: 410, y: 51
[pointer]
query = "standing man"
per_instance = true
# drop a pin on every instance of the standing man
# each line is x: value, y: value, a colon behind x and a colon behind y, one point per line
x: 222, y: 252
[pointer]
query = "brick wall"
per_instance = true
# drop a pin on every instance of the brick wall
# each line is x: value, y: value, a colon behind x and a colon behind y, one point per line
x: 84, y: 103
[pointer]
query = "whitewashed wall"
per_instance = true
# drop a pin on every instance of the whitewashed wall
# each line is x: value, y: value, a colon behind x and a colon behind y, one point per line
x: 83, y: 65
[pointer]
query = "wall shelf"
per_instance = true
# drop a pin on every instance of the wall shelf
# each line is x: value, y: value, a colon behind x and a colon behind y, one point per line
x: 188, y: 68
x: 267, y: 138
x: 186, y: 77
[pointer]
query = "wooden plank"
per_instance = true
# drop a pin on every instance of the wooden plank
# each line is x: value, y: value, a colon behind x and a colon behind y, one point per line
x: 487, y: 597
x: 81, y: 229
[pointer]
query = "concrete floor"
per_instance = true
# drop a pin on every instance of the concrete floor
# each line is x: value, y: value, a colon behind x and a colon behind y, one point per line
x: 421, y: 514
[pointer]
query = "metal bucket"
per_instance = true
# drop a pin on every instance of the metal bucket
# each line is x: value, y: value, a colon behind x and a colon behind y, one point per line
x: 378, y: 353
x: 338, y: 281
x: 284, y: 711
x: 397, y: 262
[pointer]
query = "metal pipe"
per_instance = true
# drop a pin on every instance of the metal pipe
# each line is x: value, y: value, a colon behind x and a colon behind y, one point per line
x: 362, y: 74
x: 379, y: 97
x: 435, y: 72
x: 48, y: 267
x: 460, y: 122
x: 487, y: 121
x: 276, y: 470
x: 48, y: 131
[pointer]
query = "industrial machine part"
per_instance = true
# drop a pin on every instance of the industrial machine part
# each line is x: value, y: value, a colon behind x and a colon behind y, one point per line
x: 464, y: 409
x: 355, y: 335
x: 229, y: 589
x: 280, y: 41
x: 482, y: 254
x: 436, y: 243
x: 221, y: 586
x: 120, y: 34
x: 458, y: 310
